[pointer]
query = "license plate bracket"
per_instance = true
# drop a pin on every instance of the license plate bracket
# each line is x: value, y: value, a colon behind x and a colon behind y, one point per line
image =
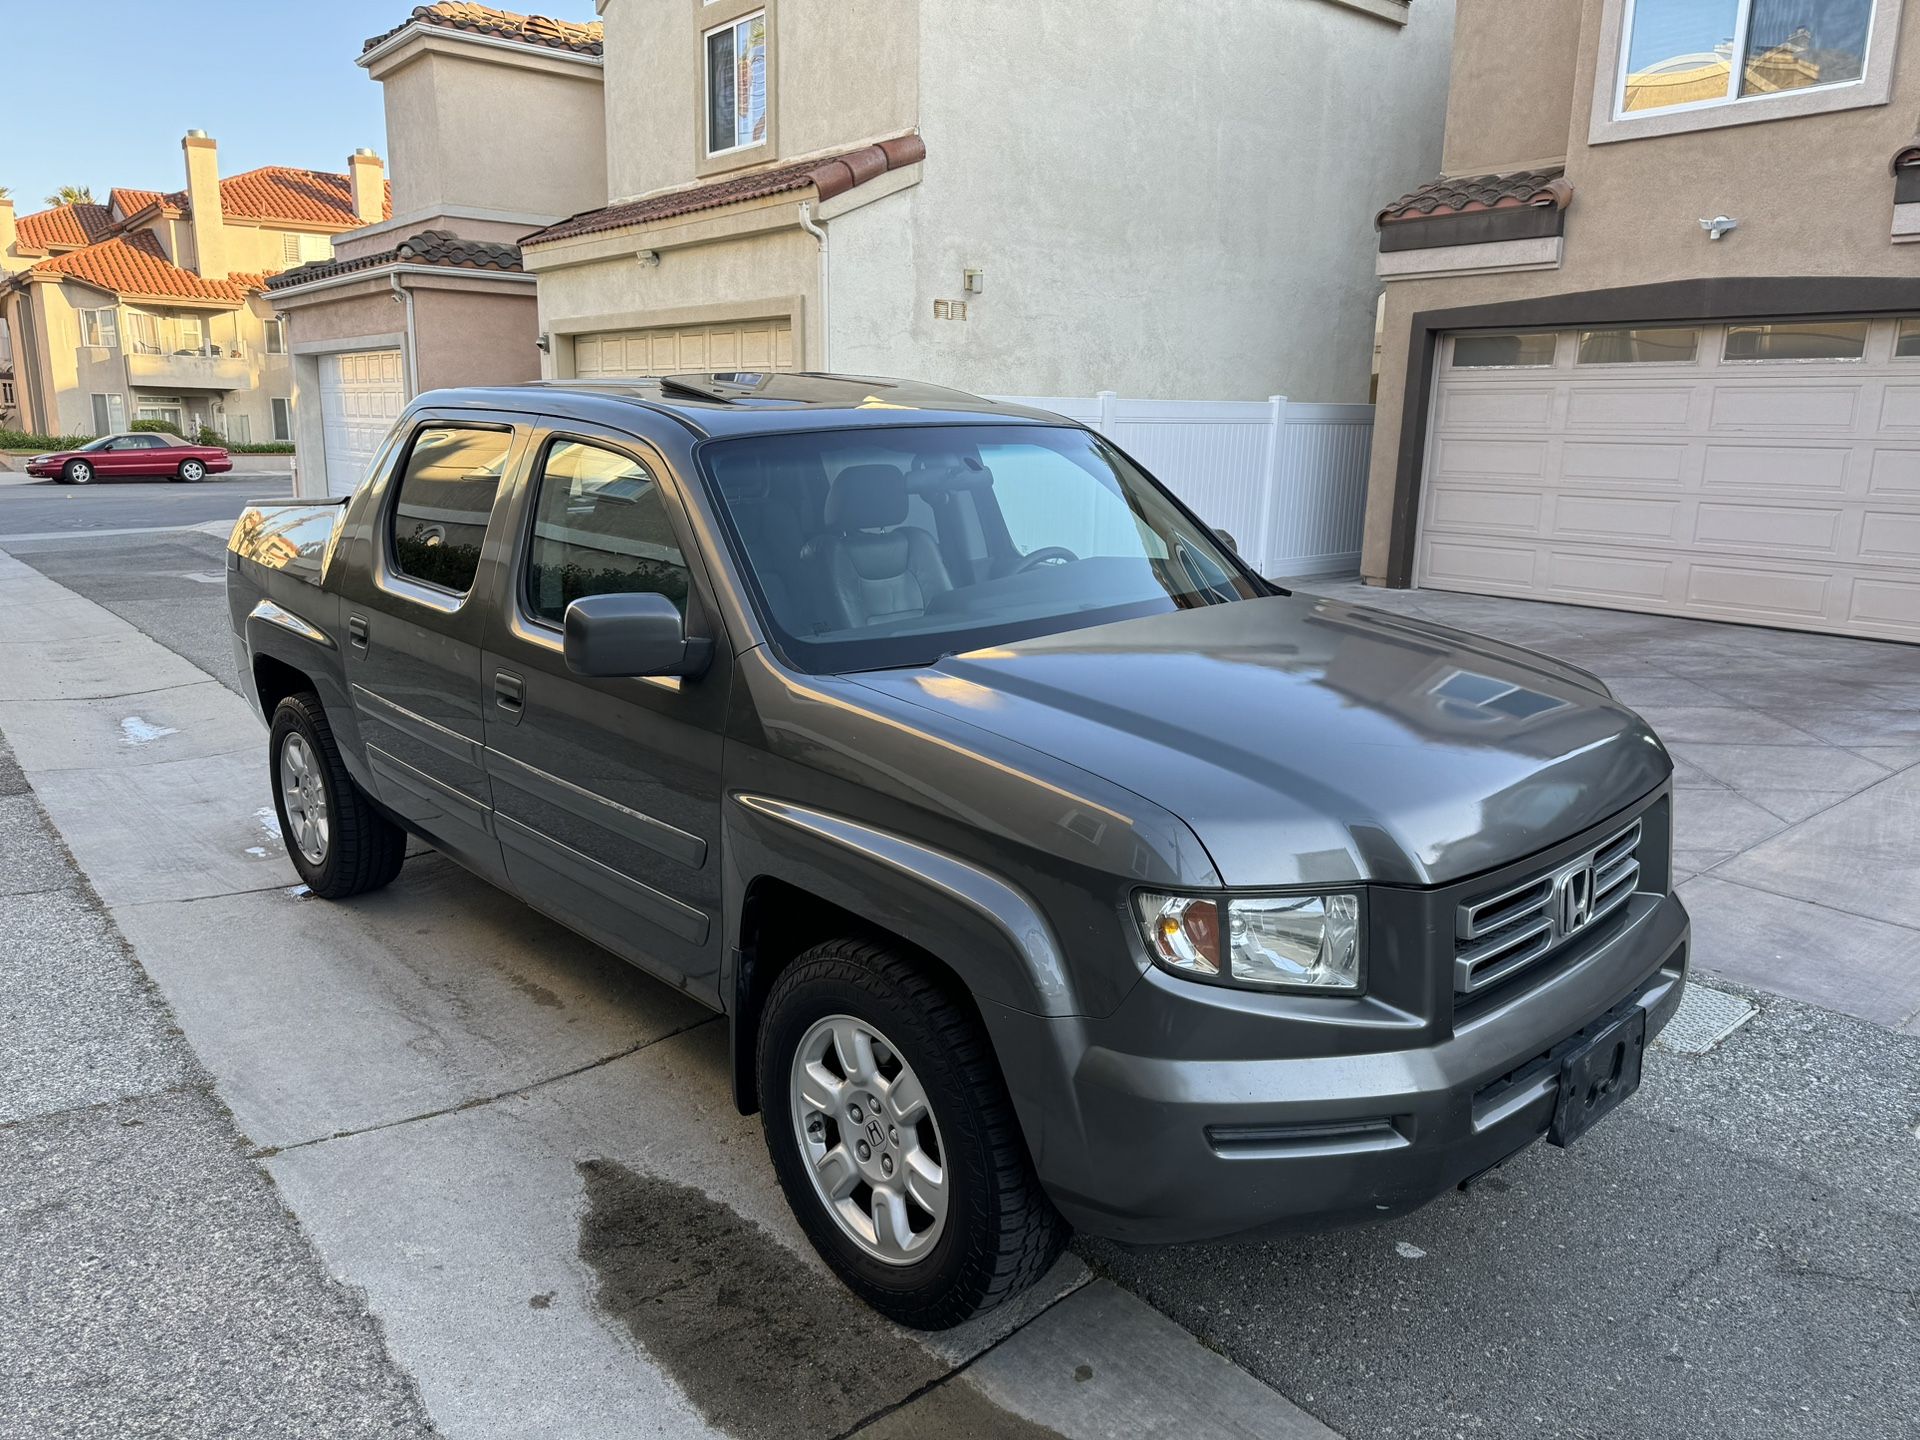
x: 1598, y: 1075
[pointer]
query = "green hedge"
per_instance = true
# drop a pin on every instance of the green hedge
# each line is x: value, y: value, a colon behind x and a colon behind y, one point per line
x: 21, y: 440
x: 162, y: 427
x: 261, y: 447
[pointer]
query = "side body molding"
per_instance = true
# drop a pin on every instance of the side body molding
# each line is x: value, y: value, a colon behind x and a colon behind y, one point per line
x: 1000, y: 904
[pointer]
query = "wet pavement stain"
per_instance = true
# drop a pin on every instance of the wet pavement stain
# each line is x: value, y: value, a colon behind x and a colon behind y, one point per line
x: 762, y: 1343
x: 535, y: 991
x: 956, y: 1410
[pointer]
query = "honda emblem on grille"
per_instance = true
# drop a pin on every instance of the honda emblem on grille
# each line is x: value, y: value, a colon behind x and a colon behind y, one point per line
x: 1574, y: 898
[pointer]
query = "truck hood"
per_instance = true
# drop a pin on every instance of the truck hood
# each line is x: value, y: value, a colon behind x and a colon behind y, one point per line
x: 1310, y: 741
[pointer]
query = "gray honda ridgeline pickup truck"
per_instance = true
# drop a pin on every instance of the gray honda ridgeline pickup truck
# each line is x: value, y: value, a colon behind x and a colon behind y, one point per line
x: 1051, y: 867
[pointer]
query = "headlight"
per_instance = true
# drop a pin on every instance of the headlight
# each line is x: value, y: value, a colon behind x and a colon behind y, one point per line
x: 1267, y: 942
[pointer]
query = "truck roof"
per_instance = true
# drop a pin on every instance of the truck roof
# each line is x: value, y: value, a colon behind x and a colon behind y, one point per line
x: 746, y: 402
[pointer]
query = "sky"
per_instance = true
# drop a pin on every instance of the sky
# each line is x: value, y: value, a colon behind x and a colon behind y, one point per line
x: 100, y: 91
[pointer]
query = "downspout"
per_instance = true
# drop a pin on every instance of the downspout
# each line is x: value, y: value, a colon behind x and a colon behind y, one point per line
x: 808, y: 224
x: 405, y: 297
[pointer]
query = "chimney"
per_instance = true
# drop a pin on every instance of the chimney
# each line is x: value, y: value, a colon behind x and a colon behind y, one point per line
x: 203, y: 199
x: 368, y: 178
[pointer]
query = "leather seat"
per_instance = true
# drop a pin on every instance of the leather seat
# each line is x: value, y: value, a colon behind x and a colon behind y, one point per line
x: 870, y: 566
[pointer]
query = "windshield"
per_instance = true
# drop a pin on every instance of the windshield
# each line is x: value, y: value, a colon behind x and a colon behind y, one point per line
x: 869, y: 549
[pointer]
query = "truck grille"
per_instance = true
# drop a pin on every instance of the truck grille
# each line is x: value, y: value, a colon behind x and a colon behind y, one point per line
x: 1498, y: 936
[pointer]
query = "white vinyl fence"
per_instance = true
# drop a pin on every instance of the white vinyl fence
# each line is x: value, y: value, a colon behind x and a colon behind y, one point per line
x: 1288, y: 481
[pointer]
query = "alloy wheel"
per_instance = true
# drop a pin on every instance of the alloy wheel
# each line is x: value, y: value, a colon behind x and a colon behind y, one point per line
x: 192, y: 470
x: 869, y: 1139
x: 305, y: 796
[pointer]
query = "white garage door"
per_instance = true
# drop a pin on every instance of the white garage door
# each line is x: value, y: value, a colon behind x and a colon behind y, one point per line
x: 361, y: 395
x: 760, y: 345
x: 1765, y: 473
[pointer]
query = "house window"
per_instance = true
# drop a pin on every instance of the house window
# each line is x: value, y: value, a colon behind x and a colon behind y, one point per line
x: 143, y: 333
x: 1486, y: 352
x: 239, y: 429
x: 6, y: 393
x: 1688, y: 53
x: 736, y: 71
x: 191, y: 333
x: 1798, y: 340
x: 1637, y: 347
x: 282, y: 419
x: 109, y: 414
x: 276, y: 337
x: 98, y: 329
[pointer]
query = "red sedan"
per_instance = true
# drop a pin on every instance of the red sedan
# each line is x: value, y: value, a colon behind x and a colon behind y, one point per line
x: 146, y: 453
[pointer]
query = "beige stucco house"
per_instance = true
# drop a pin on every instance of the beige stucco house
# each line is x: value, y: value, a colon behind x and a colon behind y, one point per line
x: 1005, y: 196
x: 495, y: 129
x: 150, y: 306
x: 1652, y: 339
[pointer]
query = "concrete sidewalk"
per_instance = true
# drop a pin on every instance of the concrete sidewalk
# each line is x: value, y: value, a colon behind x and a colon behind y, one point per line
x: 521, y: 1150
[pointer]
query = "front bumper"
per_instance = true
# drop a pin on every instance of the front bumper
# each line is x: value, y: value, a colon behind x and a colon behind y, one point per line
x: 1168, y: 1150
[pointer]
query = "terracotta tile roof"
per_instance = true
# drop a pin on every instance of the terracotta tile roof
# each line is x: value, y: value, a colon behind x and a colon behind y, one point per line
x: 136, y: 265
x: 831, y: 175
x: 132, y: 202
x: 1466, y: 194
x: 429, y: 247
x: 581, y: 39
x: 65, y: 225
x: 280, y: 192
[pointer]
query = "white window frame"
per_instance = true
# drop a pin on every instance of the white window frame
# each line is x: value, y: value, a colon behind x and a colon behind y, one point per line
x: 282, y: 418
x: 736, y: 24
x: 1610, y: 123
x: 6, y: 393
x: 275, y: 336
x: 114, y: 409
x: 199, y: 346
x: 98, y: 333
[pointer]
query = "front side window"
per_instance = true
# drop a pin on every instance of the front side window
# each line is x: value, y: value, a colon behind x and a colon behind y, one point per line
x: 98, y: 329
x: 1708, y: 52
x: 600, y: 527
x: 1798, y: 340
x: 736, y: 69
x: 894, y: 546
x: 445, y: 500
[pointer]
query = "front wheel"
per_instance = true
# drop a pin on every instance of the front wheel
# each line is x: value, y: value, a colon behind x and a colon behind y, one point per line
x: 78, y: 472
x: 338, y: 842
x: 192, y: 471
x: 894, y: 1139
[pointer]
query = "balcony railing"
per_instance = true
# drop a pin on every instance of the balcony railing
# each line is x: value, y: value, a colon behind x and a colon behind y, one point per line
x: 205, y: 369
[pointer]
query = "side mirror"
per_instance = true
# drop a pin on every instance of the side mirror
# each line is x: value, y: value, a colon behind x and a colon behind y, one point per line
x: 1226, y: 538
x: 633, y: 634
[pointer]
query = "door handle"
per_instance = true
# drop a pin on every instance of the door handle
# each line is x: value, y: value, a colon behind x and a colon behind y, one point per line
x: 509, y: 695
x: 357, y: 631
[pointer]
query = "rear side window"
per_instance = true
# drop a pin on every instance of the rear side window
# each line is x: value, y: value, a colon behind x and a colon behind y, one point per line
x: 600, y: 527
x: 446, y: 497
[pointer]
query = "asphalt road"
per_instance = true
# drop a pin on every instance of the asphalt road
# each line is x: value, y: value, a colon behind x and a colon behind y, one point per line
x: 40, y: 507
x: 1736, y: 1253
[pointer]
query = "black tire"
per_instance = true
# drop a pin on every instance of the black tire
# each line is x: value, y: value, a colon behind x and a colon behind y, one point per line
x: 77, y: 472
x: 191, y: 471
x: 1001, y: 1233
x: 363, y: 850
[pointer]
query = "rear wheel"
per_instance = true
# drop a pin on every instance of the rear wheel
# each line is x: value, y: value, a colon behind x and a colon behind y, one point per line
x: 193, y: 471
x: 337, y: 840
x: 77, y: 472
x: 894, y: 1139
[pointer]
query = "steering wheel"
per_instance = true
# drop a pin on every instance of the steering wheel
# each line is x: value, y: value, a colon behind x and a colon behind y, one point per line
x: 1045, y: 555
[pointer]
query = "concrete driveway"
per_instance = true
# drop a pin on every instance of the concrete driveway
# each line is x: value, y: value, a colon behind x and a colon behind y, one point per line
x: 1797, y: 812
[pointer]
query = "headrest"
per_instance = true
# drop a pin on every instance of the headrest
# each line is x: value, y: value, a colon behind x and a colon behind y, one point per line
x: 867, y: 497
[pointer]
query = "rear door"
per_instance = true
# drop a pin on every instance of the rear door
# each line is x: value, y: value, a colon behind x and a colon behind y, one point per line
x: 415, y: 618
x: 607, y: 791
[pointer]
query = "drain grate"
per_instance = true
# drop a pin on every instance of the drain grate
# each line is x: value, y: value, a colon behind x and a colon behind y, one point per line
x: 1704, y: 1019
